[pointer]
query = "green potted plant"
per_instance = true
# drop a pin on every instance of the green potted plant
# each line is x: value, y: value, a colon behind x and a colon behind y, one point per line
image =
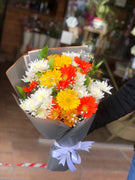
x: 54, y: 33
x: 102, y: 11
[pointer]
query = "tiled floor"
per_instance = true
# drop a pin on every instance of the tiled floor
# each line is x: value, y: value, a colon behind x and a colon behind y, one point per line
x: 19, y: 143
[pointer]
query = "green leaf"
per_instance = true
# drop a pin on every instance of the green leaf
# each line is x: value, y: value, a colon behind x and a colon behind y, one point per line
x: 39, y: 73
x: 93, y: 64
x: 99, y: 64
x: 98, y: 71
x: 51, y: 62
x: 21, y: 92
x: 87, y: 81
x: 43, y: 53
x: 104, y: 2
x: 54, y: 91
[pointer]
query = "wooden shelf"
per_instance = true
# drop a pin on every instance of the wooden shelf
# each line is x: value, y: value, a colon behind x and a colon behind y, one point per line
x: 12, y: 34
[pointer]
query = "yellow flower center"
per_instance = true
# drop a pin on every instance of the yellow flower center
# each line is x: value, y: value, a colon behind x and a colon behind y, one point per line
x: 84, y: 108
x: 55, y: 113
x: 65, y: 77
x: 68, y: 100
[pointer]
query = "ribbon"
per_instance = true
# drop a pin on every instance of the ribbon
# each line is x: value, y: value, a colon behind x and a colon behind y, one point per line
x: 69, y: 155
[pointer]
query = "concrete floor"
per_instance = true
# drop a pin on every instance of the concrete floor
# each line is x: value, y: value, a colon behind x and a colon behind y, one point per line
x: 19, y: 143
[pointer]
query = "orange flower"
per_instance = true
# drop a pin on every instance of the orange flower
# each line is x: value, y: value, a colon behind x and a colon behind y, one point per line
x: 52, y: 55
x: 31, y: 86
x: 87, y: 106
x: 69, y: 122
x: 85, y: 66
x: 55, y: 111
x: 69, y: 117
x: 68, y: 76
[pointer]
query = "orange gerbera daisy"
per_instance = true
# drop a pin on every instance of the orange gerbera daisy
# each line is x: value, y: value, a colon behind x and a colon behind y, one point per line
x: 85, y: 66
x: 87, y: 106
x: 69, y: 122
x: 55, y: 111
x: 52, y: 55
x: 69, y: 117
x: 68, y: 76
x: 30, y: 87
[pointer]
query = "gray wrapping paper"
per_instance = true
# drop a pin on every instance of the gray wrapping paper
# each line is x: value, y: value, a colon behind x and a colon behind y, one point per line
x: 70, y: 138
x: 50, y: 128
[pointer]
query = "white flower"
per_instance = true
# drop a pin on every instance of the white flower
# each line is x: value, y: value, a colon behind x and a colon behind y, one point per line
x: 103, y: 86
x: 133, y: 31
x: 80, y: 79
x: 38, y: 65
x: 42, y: 97
x: 81, y: 90
x: 71, y: 54
x: 39, y: 103
x: 28, y: 105
x: 34, y: 67
x: 95, y: 91
x: 42, y: 113
x: 133, y: 50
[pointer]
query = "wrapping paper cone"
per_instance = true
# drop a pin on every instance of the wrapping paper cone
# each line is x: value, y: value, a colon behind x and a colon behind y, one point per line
x: 50, y: 128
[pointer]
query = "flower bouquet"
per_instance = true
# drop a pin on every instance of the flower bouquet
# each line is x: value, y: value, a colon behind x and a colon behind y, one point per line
x: 57, y: 90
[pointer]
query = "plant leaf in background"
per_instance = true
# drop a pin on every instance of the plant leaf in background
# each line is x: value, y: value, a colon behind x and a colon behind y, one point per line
x: 21, y: 92
x: 43, y: 53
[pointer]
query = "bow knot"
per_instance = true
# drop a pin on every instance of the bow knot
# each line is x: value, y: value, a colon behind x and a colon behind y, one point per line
x: 69, y: 155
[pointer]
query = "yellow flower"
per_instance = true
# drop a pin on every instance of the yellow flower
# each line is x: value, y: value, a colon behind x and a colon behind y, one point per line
x: 68, y: 99
x: 60, y: 61
x: 50, y: 78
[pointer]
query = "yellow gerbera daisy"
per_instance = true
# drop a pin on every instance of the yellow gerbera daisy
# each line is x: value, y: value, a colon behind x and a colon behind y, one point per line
x: 50, y: 78
x: 60, y: 61
x: 68, y: 99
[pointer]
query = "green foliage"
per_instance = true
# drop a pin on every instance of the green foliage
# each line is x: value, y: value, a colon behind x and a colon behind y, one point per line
x: 39, y: 73
x: 21, y: 92
x: 87, y: 81
x: 102, y: 7
x: 51, y: 62
x: 95, y: 69
x: 54, y: 91
x: 43, y: 53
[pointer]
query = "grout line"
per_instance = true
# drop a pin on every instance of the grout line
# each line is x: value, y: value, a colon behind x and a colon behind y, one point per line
x: 125, y: 156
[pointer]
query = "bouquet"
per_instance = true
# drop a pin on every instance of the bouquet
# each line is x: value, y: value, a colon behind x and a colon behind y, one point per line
x: 58, y: 91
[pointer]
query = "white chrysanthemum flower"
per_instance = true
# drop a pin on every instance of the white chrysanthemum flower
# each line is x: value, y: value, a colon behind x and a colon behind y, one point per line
x: 34, y: 67
x: 133, y: 31
x: 42, y: 94
x: 133, y: 50
x: 103, y: 86
x: 47, y: 103
x: 95, y: 91
x: 29, y: 77
x: 28, y: 105
x: 74, y: 64
x: 71, y: 54
x: 42, y: 113
x: 81, y: 90
x: 39, y: 103
x: 80, y: 79
x: 39, y: 65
